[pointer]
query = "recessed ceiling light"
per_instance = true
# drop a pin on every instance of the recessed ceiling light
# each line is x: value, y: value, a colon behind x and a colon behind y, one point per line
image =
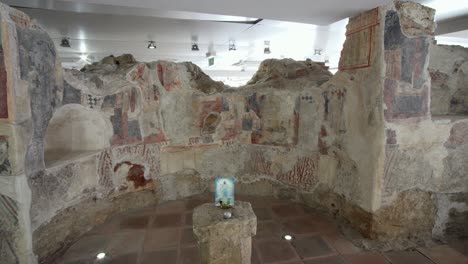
x: 267, y: 50
x: 65, y: 43
x: 101, y: 255
x: 288, y: 237
x: 83, y: 57
x: 152, y: 45
x: 232, y: 45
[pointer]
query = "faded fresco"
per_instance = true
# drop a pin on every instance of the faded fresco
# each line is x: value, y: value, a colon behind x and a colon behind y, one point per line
x: 5, y: 166
x: 406, y: 92
x: 3, y: 87
x: 356, y: 53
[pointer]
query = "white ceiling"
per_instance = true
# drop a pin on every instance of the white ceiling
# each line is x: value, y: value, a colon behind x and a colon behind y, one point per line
x: 98, y: 28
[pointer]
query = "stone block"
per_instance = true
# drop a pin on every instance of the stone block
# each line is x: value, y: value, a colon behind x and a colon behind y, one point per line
x: 222, y: 240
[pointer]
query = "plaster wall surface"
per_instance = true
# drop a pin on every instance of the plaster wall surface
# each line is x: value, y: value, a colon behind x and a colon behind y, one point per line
x: 425, y: 153
x: 448, y: 68
x: 169, y: 129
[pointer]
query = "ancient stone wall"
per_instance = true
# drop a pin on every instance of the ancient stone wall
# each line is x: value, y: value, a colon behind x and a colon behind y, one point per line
x: 424, y: 167
x: 27, y: 68
x: 448, y: 68
x: 406, y: 174
x: 169, y: 129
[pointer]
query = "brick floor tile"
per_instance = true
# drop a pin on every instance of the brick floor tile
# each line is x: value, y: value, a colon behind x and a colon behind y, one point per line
x: 366, y: 258
x: 268, y: 229
x: 407, y: 257
x: 161, y: 238
x: 171, y: 207
x: 312, y: 246
x: 263, y: 214
x: 190, y: 255
x: 161, y: 256
x: 87, y: 247
x: 189, y: 219
x: 287, y: 210
x: 188, y: 237
x: 341, y: 244
x: 126, y: 242
x: 326, y: 260
x: 121, y: 259
x: 461, y: 246
x: 444, y: 255
x: 167, y: 220
x: 138, y: 222
x: 275, y: 250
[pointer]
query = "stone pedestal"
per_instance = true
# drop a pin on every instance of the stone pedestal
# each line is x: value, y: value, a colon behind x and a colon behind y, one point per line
x: 225, y: 241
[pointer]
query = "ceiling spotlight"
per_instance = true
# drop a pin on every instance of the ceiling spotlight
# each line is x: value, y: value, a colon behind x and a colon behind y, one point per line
x: 151, y: 45
x: 288, y: 237
x: 232, y: 45
x: 267, y: 50
x: 65, y: 43
x: 195, y: 47
x: 101, y: 255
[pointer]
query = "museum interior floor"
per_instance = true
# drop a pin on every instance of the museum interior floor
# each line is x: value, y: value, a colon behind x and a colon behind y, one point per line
x: 163, y: 234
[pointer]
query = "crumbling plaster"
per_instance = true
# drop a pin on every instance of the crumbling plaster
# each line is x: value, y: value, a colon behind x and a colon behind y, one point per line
x: 448, y: 68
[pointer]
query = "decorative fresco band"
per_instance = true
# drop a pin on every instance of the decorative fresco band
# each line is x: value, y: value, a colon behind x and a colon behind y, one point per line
x: 8, y: 210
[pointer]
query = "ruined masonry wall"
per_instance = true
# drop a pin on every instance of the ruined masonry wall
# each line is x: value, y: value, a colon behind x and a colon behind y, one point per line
x: 448, y: 68
x: 171, y: 139
x: 27, y: 67
x: 425, y: 158
x: 122, y: 134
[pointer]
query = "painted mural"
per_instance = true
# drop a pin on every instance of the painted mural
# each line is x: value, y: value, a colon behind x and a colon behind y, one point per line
x: 3, y: 86
x: 406, y: 87
x: 357, y: 50
x: 5, y: 166
x: 250, y: 119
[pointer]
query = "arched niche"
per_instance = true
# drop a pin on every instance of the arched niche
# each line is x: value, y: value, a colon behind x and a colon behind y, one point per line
x: 75, y: 130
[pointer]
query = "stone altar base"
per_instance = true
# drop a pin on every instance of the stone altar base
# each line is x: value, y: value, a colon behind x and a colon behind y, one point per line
x: 225, y: 241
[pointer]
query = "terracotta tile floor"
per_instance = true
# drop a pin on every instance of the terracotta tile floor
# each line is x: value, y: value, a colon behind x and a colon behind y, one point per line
x: 164, y: 235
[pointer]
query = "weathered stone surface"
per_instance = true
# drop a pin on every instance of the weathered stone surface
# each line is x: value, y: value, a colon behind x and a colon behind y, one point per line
x: 273, y: 70
x: 202, y: 82
x: 416, y: 19
x: 452, y: 216
x: 70, y: 95
x: 75, y: 128
x: 412, y: 215
x: 326, y: 200
x: 448, y: 69
x: 182, y: 184
x: 225, y: 240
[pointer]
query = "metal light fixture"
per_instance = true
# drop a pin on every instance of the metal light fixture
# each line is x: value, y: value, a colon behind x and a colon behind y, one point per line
x: 232, y: 45
x: 267, y: 50
x: 151, y: 45
x: 318, y: 52
x: 195, y: 47
x: 65, y: 43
